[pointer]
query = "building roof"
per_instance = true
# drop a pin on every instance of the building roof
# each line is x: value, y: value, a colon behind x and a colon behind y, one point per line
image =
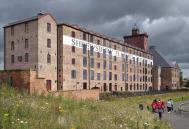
x: 160, y: 60
x: 38, y: 16
x: 75, y: 26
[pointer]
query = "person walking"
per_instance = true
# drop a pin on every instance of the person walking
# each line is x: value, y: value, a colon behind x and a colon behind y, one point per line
x: 160, y: 107
x: 154, y: 106
x: 169, y: 106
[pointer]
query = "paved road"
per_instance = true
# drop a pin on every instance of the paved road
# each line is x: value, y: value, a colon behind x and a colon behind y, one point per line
x: 178, y: 119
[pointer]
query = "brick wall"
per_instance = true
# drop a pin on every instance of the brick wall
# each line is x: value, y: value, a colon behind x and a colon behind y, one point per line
x: 16, y: 78
x: 80, y: 94
x: 23, y: 79
x: 37, y: 84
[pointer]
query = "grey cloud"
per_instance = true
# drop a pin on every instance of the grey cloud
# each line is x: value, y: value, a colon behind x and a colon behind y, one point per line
x: 166, y: 21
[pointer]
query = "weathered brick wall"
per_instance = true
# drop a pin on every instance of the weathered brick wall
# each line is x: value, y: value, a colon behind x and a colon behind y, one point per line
x: 80, y: 94
x: 23, y: 79
x: 16, y: 78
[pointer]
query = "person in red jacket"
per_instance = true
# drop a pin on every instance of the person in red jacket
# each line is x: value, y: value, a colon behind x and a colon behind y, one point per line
x: 160, y: 106
x: 154, y: 106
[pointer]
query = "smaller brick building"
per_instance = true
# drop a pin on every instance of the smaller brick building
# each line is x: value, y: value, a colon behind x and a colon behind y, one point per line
x: 23, y: 79
x: 166, y: 74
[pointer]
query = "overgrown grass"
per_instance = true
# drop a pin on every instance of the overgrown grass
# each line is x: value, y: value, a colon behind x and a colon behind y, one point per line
x: 19, y: 110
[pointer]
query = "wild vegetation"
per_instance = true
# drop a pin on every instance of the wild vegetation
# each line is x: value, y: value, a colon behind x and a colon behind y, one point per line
x: 18, y: 110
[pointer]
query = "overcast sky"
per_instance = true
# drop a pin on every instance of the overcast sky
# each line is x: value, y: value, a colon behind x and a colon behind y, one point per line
x: 166, y: 21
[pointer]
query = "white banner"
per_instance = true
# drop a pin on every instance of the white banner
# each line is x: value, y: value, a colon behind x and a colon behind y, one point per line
x: 98, y: 48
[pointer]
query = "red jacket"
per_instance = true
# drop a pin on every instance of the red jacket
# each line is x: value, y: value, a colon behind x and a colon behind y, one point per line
x: 154, y: 105
x: 160, y: 105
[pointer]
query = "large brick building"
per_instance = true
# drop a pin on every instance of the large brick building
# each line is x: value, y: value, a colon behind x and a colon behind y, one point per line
x: 69, y: 57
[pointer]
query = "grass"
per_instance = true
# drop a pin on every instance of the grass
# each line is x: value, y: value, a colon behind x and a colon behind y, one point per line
x: 19, y: 110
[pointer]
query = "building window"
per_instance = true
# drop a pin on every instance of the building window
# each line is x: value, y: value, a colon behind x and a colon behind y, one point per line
x: 110, y: 75
x: 110, y: 87
x: 48, y: 58
x: 134, y: 78
x: 110, y: 65
x: 123, y: 76
x: 26, y: 57
x: 115, y: 67
x: 73, y: 48
x: 115, y: 88
x: 91, y: 38
x: 126, y: 58
x: 104, y: 53
x: 104, y: 87
x: 92, y: 62
x: 91, y: 50
x: 26, y: 27
x: 48, y: 85
x: 104, y: 64
x: 73, y: 34
x: 104, y: 75
x: 137, y: 87
x: 12, y: 30
x: 73, y: 74
x: 110, y: 54
x: 98, y: 65
x: 92, y: 74
x: 12, y: 45
x: 98, y: 76
x: 98, y: 42
x: 12, y: 58
x: 123, y: 67
x: 73, y: 61
x: 126, y: 87
x: 26, y: 43
x: 48, y: 43
x: 48, y: 27
x: 115, y: 77
x: 84, y: 36
x: 130, y: 87
x: 84, y: 74
x: 84, y: 61
x: 84, y: 49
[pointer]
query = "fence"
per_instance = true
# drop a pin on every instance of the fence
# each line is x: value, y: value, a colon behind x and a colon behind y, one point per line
x: 109, y: 95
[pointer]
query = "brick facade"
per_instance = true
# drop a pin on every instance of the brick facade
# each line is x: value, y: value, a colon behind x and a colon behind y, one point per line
x: 126, y: 75
x: 23, y: 79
